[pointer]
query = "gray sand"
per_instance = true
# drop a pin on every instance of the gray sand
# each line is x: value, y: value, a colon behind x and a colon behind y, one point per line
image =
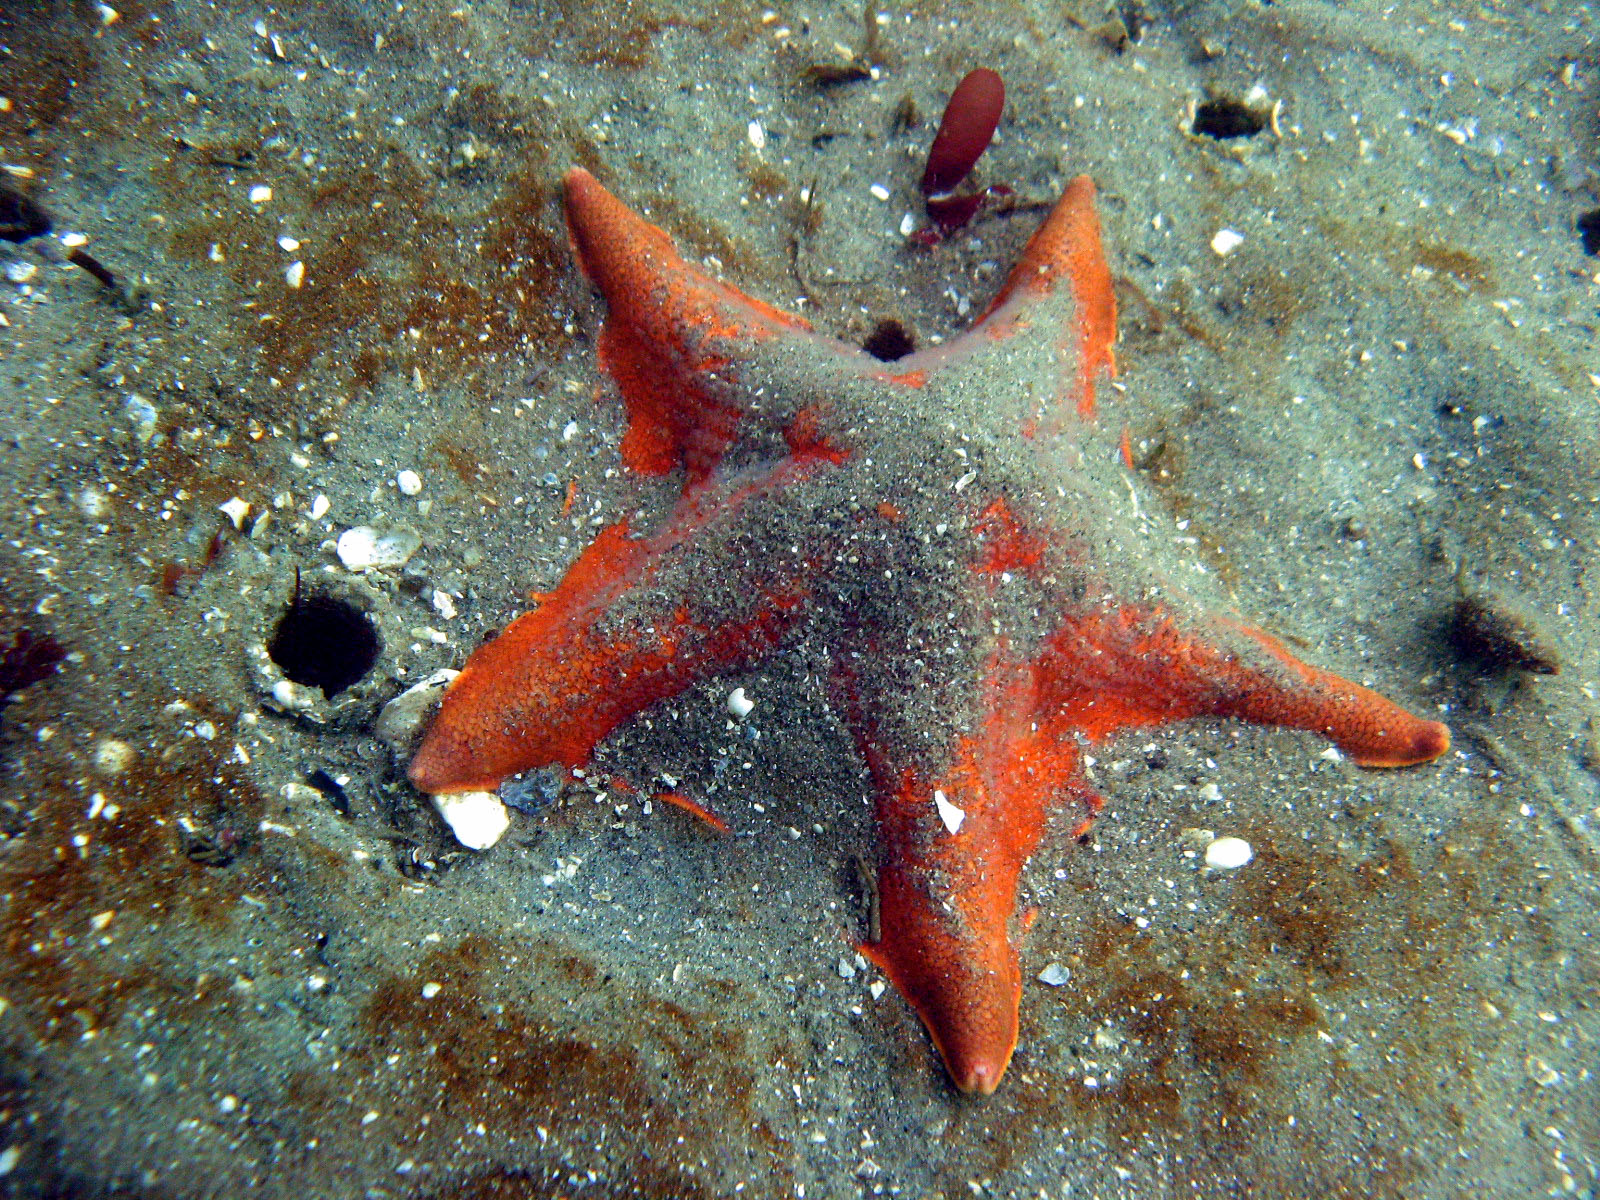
x: 220, y: 972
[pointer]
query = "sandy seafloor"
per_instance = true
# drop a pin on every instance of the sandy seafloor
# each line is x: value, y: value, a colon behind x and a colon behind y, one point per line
x: 214, y: 982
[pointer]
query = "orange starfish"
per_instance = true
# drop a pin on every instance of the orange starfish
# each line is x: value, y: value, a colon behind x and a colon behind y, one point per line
x: 958, y: 536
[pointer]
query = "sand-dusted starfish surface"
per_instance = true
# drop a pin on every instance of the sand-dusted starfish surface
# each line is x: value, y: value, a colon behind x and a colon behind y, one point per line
x: 955, y: 530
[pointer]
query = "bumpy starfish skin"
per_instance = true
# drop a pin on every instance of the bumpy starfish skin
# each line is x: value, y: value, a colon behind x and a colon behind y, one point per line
x: 952, y: 530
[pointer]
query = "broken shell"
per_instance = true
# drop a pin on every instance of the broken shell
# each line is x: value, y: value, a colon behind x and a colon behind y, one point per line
x: 365, y: 549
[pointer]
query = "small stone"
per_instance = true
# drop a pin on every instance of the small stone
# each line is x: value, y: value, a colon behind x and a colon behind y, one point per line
x: 260, y: 194
x: 320, y: 507
x: 288, y: 244
x: 444, y: 604
x: 1054, y: 975
x: 409, y: 483
x: 739, y: 704
x: 431, y: 989
x: 295, y: 274
x: 478, y: 819
x: 21, y: 272
x: 1228, y: 854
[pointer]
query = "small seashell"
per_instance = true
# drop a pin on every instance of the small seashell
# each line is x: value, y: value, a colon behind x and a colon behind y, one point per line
x: 365, y: 549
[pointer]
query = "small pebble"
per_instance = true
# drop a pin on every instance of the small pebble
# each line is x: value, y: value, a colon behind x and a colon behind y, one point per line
x: 409, y: 483
x: 1054, y: 975
x: 319, y: 508
x: 739, y: 704
x: 1228, y: 854
x: 288, y: 244
x: 1226, y: 242
x: 295, y: 274
x: 260, y: 194
x: 430, y: 990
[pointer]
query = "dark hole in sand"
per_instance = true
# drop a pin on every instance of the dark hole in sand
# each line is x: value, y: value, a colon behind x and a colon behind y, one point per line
x: 324, y: 642
x: 1222, y: 119
x: 888, y: 341
x: 1589, y: 230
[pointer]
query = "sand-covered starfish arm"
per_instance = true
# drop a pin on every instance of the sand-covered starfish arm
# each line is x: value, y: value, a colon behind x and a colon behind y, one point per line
x: 633, y: 622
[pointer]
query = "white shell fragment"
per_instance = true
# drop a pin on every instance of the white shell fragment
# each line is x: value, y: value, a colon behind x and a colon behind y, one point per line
x: 1228, y: 854
x: 365, y: 549
x: 402, y: 718
x: 1225, y: 242
x: 236, y: 510
x: 1054, y: 975
x: 739, y: 704
x: 478, y: 819
x: 948, y: 813
x: 409, y: 482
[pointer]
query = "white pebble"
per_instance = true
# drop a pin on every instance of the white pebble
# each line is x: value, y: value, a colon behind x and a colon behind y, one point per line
x: 236, y: 510
x: 879, y: 192
x: 93, y: 503
x: 1226, y: 242
x: 1228, y: 854
x: 73, y: 240
x: 319, y: 508
x: 948, y: 813
x: 478, y: 819
x: 431, y: 989
x: 444, y: 604
x: 295, y: 274
x: 757, y: 135
x: 409, y: 482
x: 21, y: 272
x: 1054, y: 975
x: 288, y: 244
x: 739, y: 704
x: 365, y: 549
x: 260, y: 194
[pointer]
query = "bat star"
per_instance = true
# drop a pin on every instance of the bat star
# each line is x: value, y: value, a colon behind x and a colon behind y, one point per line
x: 953, y: 531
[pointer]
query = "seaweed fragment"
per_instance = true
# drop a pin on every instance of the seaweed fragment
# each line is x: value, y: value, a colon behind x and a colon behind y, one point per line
x: 971, y: 116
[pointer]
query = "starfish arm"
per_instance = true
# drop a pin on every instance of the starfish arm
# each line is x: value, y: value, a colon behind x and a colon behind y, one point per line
x: 957, y: 823
x: 684, y: 348
x: 1061, y: 283
x: 633, y: 622
x: 1118, y: 668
